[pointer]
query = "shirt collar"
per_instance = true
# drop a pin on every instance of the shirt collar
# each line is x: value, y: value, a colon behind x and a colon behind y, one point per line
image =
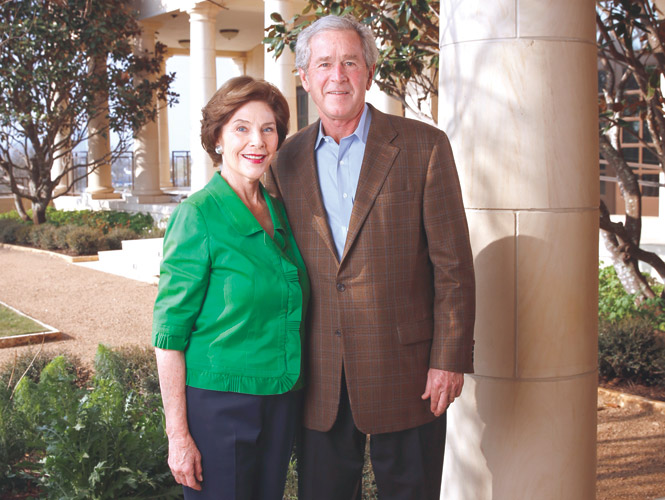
x: 361, y: 131
x: 240, y: 216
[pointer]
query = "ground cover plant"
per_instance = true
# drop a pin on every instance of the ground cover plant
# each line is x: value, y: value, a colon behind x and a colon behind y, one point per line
x: 78, y: 232
x: 65, y: 435
x: 631, y: 334
x: 12, y: 323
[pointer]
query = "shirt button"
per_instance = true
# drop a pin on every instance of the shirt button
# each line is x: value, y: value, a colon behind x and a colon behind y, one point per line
x: 345, y: 196
x: 340, y: 287
x: 338, y: 333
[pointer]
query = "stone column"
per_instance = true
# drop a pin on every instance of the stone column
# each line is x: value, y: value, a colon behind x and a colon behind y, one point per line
x: 63, y: 161
x: 99, y: 145
x: 383, y: 102
x: 241, y: 64
x: 164, y: 149
x: 280, y: 72
x: 203, y: 84
x: 146, y: 141
x: 518, y: 100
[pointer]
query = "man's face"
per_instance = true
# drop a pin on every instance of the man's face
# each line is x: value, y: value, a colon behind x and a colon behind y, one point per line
x: 337, y: 76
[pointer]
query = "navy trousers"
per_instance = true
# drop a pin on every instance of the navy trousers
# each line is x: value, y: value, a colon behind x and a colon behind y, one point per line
x: 407, y: 464
x: 245, y: 443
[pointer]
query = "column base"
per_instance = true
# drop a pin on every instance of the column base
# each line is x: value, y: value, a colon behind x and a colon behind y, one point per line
x: 105, y: 196
x: 142, y: 198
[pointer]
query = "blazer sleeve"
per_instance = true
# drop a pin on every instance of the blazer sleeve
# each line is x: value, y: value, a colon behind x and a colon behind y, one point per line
x: 450, y: 253
x: 184, y: 277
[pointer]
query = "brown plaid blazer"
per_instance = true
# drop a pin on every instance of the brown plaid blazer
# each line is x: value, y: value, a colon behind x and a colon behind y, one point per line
x: 402, y: 298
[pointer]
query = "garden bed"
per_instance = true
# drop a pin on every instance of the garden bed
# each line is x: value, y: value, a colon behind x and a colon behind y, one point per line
x: 17, y: 328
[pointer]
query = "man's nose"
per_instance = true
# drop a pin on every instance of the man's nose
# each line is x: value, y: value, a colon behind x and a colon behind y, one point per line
x: 339, y: 72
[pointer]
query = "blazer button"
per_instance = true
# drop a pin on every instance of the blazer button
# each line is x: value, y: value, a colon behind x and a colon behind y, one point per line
x: 338, y: 333
x: 340, y: 287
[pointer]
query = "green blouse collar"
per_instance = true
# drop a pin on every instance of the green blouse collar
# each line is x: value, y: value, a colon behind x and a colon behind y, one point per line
x: 240, y: 216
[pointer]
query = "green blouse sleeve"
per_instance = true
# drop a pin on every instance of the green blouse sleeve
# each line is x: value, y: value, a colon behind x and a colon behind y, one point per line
x: 184, y: 276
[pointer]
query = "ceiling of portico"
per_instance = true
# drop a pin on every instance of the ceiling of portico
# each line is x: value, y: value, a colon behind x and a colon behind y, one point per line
x: 172, y: 23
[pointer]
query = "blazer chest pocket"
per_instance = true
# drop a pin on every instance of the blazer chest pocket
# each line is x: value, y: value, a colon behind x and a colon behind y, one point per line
x: 415, y: 331
x: 395, y: 197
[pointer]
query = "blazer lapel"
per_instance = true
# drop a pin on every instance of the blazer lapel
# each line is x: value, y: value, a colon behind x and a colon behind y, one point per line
x: 305, y: 161
x: 377, y: 162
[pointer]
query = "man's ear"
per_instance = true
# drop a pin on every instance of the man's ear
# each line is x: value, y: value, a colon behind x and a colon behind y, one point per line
x: 369, y: 79
x: 303, y: 79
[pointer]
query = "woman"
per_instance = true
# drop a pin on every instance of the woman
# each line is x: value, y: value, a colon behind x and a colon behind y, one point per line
x: 228, y: 319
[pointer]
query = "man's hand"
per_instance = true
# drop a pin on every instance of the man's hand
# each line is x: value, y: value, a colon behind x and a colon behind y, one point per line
x: 185, y: 462
x: 442, y: 388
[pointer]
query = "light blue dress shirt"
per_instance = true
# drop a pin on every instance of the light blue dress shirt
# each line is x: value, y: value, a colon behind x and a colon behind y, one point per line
x: 338, y: 166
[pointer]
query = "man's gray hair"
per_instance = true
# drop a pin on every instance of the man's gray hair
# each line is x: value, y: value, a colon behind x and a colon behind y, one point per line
x: 335, y: 23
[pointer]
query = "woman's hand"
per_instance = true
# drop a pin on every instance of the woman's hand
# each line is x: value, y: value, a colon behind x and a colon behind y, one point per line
x: 184, y: 456
x: 185, y: 461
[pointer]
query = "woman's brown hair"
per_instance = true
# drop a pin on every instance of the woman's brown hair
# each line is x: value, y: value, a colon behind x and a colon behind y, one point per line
x: 230, y: 97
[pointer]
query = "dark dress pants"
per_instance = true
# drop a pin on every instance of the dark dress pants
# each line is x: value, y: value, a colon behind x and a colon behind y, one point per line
x: 245, y: 442
x: 407, y: 464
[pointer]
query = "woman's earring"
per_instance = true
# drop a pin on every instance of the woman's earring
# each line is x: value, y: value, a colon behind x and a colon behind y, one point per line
x: 219, y: 149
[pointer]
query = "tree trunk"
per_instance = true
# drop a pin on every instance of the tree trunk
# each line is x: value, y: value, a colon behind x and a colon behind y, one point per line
x: 39, y: 212
x: 626, y: 265
x: 18, y: 203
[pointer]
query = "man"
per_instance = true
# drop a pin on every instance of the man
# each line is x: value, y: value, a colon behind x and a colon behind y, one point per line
x: 376, y: 210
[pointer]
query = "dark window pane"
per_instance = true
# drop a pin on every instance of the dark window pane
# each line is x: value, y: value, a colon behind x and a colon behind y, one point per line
x: 630, y: 133
x: 632, y: 83
x: 631, y: 154
x: 302, y: 106
x: 648, y: 157
x: 646, y: 135
x: 650, y: 190
x: 602, y: 79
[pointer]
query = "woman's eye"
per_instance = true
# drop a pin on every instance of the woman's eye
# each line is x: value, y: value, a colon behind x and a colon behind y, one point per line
x: 268, y: 130
x: 241, y: 129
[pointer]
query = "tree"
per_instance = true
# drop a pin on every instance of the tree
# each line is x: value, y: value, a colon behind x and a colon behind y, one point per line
x: 408, y: 36
x: 631, y: 37
x: 64, y: 66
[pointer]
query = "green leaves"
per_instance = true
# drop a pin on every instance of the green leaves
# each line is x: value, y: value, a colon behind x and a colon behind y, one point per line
x: 103, y: 441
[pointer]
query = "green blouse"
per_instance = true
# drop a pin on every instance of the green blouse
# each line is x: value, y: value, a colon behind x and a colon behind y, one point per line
x: 230, y: 296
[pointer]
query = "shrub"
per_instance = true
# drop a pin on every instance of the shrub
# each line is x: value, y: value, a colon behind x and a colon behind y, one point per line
x: 134, y: 367
x: 615, y: 305
x: 84, y: 240
x: 103, y: 442
x: 8, y: 230
x: 631, y: 349
x: 32, y: 365
x: 117, y: 235
x: 13, y: 445
x: 44, y: 236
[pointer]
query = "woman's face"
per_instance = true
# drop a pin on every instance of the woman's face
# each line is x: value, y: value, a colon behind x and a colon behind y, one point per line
x: 249, y: 140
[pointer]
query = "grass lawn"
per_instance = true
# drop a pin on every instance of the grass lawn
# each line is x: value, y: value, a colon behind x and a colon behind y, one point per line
x: 12, y: 323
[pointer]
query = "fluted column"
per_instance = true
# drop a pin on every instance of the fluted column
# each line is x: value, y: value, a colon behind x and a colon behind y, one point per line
x: 280, y: 72
x: 146, y: 140
x: 164, y: 149
x: 203, y: 84
x: 517, y: 97
x: 100, y: 185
